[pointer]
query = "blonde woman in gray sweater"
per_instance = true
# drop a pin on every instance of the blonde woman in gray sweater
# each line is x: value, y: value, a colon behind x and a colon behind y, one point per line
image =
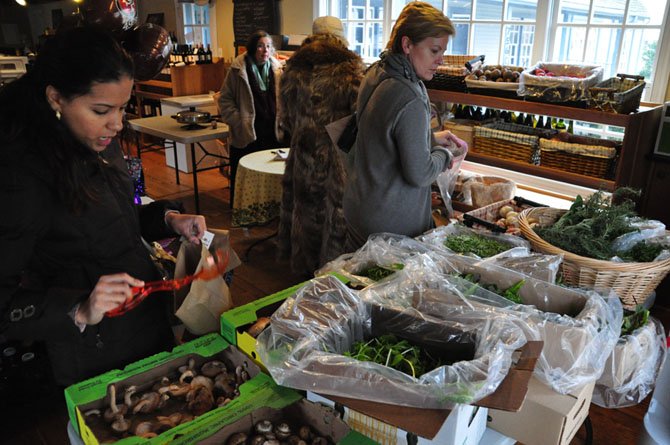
x: 396, y: 157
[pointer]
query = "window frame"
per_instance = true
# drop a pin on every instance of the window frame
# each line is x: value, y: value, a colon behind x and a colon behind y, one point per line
x: 211, y: 26
x: 546, y: 26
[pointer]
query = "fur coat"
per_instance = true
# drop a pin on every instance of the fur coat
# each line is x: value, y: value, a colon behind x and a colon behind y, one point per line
x: 319, y: 85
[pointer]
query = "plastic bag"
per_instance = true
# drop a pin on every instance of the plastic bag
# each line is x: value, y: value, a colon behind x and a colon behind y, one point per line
x: 387, y: 250
x: 446, y: 180
x: 570, y: 82
x: 435, y: 238
x: 304, y: 346
x: 537, y: 265
x: 646, y: 229
x: 201, y: 303
x: 481, y: 191
x: 579, y: 328
x: 632, y: 367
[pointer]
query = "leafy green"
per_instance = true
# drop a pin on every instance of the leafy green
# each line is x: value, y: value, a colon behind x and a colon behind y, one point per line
x: 633, y: 320
x: 377, y: 273
x: 590, y: 226
x: 511, y: 293
x: 479, y: 245
x: 395, y: 353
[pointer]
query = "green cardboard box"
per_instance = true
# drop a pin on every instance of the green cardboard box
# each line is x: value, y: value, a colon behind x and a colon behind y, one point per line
x: 286, y: 405
x: 92, y: 394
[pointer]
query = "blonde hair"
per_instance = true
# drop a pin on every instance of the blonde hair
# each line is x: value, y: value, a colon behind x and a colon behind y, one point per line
x: 418, y: 21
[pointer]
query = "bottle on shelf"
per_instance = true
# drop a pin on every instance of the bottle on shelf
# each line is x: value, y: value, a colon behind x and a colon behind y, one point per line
x: 478, y: 115
x: 560, y: 125
x: 528, y: 121
x: 571, y: 127
x: 208, y: 55
x: 540, y: 122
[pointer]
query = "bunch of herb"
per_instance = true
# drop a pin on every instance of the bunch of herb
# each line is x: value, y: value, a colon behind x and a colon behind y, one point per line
x: 633, y: 320
x: 590, y: 226
x: 399, y: 354
x: 479, y: 245
x: 511, y: 293
x: 377, y: 273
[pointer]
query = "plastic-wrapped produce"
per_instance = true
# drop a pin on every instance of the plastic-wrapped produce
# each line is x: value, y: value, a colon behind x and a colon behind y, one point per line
x: 381, y: 256
x: 632, y: 368
x: 559, y: 82
x: 309, y: 334
x: 457, y: 238
x: 537, y: 265
x: 579, y: 329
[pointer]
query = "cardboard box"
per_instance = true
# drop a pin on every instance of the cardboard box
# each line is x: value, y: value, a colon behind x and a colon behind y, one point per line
x: 546, y: 417
x: 288, y: 406
x: 465, y: 424
x: 93, y: 393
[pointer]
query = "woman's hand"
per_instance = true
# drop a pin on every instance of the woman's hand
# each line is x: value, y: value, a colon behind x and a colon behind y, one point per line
x: 109, y: 292
x: 444, y: 138
x: 191, y: 227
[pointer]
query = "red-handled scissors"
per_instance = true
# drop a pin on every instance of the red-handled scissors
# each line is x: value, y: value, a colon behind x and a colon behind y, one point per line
x: 216, y: 266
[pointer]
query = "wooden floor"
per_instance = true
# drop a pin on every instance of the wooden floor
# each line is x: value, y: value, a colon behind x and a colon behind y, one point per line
x: 42, y: 418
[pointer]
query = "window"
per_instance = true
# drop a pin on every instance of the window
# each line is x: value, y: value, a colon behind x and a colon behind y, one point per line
x: 623, y: 36
x: 196, y: 24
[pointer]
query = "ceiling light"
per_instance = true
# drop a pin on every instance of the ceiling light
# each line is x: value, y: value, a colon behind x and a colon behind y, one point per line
x: 22, y: 2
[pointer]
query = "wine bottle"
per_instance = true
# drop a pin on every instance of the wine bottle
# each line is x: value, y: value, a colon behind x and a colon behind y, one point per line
x: 540, y: 122
x: 528, y: 121
x: 560, y: 125
x: 208, y: 55
x: 571, y: 127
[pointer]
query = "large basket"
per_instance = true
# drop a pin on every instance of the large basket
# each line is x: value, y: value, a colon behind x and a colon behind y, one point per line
x: 621, y: 94
x: 589, y: 157
x: 509, y: 141
x: 633, y: 282
x: 449, y: 82
x: 451, y: 74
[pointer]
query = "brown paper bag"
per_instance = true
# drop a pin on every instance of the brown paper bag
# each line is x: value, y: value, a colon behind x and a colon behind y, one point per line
x: 200, y: 304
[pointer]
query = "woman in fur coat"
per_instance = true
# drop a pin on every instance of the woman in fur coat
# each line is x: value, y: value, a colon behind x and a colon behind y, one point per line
x: 319, y: 85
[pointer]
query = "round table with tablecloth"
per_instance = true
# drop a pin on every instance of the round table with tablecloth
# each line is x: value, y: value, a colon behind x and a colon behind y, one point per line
x: 258, y: 187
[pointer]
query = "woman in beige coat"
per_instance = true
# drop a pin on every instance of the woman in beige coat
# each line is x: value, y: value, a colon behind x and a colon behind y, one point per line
x: 248, y: 101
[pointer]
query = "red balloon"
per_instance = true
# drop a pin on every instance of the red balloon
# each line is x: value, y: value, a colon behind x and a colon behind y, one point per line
x: 115, y: 15
x: 150, y: 47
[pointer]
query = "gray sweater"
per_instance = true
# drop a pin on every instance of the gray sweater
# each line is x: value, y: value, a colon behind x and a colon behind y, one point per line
x: 393, y: 162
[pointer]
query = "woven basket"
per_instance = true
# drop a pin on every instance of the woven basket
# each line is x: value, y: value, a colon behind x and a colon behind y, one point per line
x: 633, y: 282
x: 509, y: 141
x: 621, y: 94
x: 448, y: 82
x: 589, y: 160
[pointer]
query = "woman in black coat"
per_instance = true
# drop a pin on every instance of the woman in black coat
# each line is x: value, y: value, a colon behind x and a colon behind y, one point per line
x: 70, y: 236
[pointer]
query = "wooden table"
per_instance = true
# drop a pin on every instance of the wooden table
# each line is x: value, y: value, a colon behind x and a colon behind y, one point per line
x: 168, y: 128
x: 258, y: 188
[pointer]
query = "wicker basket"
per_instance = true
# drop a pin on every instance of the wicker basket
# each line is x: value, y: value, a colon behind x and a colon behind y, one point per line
x: 509, y: 141
x: 621, y: 94
x: 449, y: 82
x: 585, y: 159
x: 633, y: 282
x: 451, y: 74
x: 488, y: 215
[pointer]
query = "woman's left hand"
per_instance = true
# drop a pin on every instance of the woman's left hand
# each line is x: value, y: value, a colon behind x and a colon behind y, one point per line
x: 444, y: 138
x: 191, y: 227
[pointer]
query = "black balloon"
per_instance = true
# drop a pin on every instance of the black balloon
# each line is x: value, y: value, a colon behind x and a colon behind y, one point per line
x: 150, y: 47
x: 116, y: 15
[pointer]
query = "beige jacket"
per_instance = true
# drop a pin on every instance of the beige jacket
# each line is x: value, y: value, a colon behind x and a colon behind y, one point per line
x: 236, y: 104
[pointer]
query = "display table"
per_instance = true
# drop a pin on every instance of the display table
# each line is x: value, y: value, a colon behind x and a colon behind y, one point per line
x: 168, y: 128
x: 258, y: 188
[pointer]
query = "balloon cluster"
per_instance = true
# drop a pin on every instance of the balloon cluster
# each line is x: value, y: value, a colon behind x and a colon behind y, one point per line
x: 149, y: 45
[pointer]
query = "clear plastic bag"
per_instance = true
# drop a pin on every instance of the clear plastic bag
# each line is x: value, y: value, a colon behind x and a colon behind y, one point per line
x: 537, y: 265
x: 304, y: 346
x: 435, y: 238
x: 646, y: 229
x: 446, y: 180
x: 386, y: 250
x: 570, y: 82
x: 632, y: 367
x: 579, y: 328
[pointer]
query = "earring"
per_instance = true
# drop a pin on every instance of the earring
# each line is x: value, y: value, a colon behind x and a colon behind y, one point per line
x: 57, y: 114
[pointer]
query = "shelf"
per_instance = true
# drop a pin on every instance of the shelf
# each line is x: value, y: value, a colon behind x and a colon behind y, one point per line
x: 545, y: 172
x: 580, y: 114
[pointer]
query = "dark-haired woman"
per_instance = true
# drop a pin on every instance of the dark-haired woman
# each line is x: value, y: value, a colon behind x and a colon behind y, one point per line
x: 70, y: 234
x: 248, y: 101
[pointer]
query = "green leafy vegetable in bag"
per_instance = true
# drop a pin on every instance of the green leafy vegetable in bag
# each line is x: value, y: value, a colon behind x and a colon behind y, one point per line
x: 633, y: 320
x: 479, y: 245
x: 377, y: 273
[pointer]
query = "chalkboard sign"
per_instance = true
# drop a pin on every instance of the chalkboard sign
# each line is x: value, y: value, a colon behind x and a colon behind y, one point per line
x: 251, y: 15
